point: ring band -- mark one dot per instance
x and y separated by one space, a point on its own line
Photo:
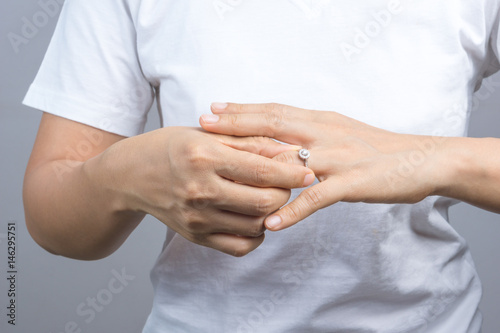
304 155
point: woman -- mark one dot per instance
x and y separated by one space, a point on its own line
380 256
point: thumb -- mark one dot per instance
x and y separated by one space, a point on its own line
308 202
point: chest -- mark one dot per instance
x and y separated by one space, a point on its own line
401 65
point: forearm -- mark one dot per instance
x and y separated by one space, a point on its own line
469 170
356 162
75 214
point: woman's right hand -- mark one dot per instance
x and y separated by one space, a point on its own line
194 182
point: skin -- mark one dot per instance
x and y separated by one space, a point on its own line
218 189
355 162
85 190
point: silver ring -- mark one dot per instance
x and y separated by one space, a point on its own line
304 155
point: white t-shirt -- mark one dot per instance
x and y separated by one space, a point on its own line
407 66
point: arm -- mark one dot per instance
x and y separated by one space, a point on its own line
66 211
86 190
356 162
472 166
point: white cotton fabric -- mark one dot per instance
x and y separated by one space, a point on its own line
405 66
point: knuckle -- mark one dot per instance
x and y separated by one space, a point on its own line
262 140
311 201
233 119
191 189
192 223
264 205
275 108
193 192
313 197
198 195
237 107
256 229
197 154
275 118
243 247
260 143
238 253
294 212
200 239
286 158
261 172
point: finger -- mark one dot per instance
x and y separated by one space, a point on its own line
309 201
218 108
292 157
250 200
219 221
234 245
281 122
260 145
256 170
320 161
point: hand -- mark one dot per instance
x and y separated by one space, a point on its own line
199 186
353 161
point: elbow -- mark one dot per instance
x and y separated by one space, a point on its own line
61 245
37 236
54 236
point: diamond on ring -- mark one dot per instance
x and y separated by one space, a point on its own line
304 154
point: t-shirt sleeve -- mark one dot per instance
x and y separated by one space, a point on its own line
494 42
91 72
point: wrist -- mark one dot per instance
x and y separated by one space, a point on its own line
457 166
108 174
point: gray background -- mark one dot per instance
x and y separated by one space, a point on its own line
50 288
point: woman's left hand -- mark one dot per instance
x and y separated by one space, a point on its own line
353 161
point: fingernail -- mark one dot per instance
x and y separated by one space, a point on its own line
210 118
219 106
308 180
273 221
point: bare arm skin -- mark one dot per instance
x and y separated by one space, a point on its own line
65 212
85 189
356 162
